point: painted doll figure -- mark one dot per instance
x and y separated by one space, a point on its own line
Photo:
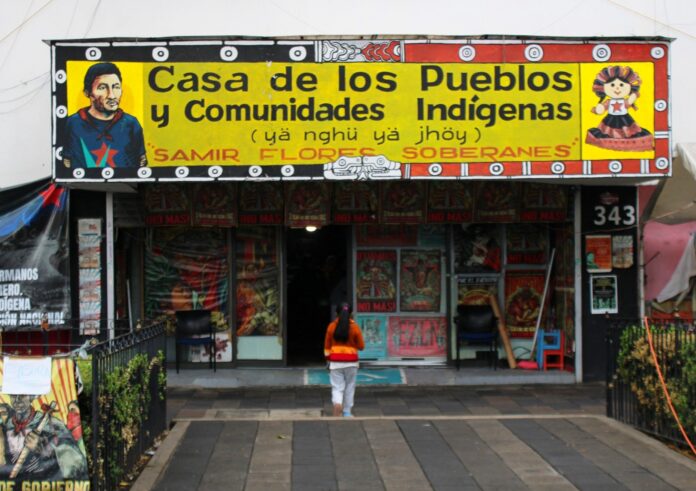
618 87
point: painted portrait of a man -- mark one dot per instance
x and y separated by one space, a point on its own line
102 134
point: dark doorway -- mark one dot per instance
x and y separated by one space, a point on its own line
316 271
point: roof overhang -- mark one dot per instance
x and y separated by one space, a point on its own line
674 200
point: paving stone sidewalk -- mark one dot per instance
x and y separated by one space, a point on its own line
408 438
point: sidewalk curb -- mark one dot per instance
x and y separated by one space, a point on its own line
158 463
656 445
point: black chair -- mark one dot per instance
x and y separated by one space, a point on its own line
477 325
193 328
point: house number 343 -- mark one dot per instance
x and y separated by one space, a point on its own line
615 215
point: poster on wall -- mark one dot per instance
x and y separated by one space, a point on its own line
476 290
52 416
526 244
89 240
34 263
261 204
402 202
186 271
223 350
258 283
215 204
417 337
375 280
360 109
420 282
307 203
598 257
603 294
497 202
622 251
355 202
523 291
477 249
167 205
543 203
450 202
374 330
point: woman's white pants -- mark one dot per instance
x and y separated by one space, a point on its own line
343 386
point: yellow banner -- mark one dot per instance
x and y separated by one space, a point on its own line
308 113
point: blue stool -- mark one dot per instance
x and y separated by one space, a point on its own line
549 343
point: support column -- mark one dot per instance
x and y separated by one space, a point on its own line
110 289
577 233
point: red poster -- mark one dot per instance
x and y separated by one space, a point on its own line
215 204
307 203
417 336
355 202
450 202
497 201
527 243
543 203
261 203
523 291
376 281
598 253
420 281
167 204
402 202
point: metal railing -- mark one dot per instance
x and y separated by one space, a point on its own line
113 452
59 339
634 393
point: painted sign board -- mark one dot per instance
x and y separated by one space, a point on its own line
274 109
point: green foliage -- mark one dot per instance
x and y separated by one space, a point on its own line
676 355
124 401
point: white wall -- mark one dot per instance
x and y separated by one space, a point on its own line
24 58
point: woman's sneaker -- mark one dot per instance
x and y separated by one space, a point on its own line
346 414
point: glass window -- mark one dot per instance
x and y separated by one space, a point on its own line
259 333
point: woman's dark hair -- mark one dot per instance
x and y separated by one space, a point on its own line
343 327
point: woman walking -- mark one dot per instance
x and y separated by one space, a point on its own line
341 345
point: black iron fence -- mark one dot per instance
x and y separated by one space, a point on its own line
634 391
127 404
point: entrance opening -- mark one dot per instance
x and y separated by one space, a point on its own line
316 269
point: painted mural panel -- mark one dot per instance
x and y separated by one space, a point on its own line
359 109
50 418
258 282
187 269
